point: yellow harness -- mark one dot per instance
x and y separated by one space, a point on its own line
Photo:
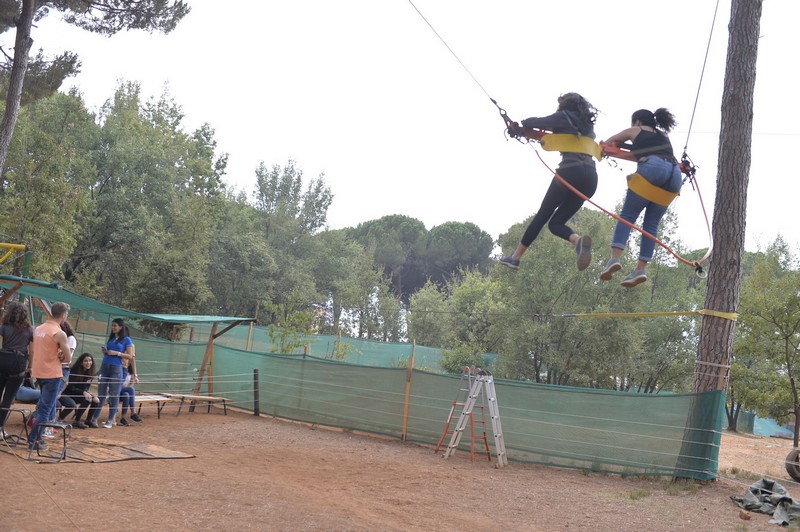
649 191
571 144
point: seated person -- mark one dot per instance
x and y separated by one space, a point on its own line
127 394
28 393
76 395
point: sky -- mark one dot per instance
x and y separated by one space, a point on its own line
366 94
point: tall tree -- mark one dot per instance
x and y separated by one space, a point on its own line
730 207
399 243
106 17
715 349
43 192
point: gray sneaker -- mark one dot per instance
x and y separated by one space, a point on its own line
635 277
510 262
584 250
611 268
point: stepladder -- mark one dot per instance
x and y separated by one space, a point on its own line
481 395
462 395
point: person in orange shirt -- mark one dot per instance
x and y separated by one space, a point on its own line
50 350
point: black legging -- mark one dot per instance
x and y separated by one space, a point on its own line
560 203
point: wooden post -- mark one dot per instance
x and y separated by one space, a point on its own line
207 362
409 372
249 337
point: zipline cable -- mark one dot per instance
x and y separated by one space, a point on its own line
460 62
702 73
697 265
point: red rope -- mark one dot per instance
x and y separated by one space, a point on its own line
694 264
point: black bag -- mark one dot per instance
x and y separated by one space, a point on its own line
13 363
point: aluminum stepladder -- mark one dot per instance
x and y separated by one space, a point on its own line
482 385
462 395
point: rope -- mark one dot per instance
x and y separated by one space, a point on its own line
451 50
695 264
702 73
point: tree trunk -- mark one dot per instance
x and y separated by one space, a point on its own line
733 175
22 47
699 453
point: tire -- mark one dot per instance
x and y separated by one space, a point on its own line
792 464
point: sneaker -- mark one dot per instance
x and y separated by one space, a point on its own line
108 424
49 433
122 421
136 418
38 446
635 277
80 425
611 268
510 262
584 250
93 423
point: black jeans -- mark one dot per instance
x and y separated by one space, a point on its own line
560 203
8 392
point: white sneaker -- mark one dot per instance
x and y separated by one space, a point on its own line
49 433
108 424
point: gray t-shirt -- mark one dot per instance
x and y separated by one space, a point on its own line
18 339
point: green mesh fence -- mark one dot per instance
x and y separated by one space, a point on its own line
594 430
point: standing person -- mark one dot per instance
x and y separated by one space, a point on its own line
50 350
72 342
76 395
119 346
574 116
17 334
657 165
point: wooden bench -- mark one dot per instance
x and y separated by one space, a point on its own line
160 399
195 398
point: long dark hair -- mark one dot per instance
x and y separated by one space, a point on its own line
123 331
67 328
661 119
16 315
572 101
77 366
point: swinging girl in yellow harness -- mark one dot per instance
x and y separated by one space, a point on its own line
656 182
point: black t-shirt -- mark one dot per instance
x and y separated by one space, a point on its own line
650 143
18 339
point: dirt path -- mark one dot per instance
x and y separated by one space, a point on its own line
263 474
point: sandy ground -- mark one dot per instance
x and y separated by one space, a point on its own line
253 473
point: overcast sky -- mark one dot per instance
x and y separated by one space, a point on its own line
365 92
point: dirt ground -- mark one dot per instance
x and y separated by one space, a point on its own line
253 473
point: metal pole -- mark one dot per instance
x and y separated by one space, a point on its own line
256 408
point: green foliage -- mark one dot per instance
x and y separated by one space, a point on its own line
429 316
289 325
454 360
41 196
767 348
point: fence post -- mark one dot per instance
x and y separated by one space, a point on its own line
409 373
256 407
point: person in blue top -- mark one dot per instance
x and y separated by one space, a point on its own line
657 164
118 347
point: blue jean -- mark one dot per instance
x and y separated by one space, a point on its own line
110 382
28 395
50 389
658 172
128 397
65 373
